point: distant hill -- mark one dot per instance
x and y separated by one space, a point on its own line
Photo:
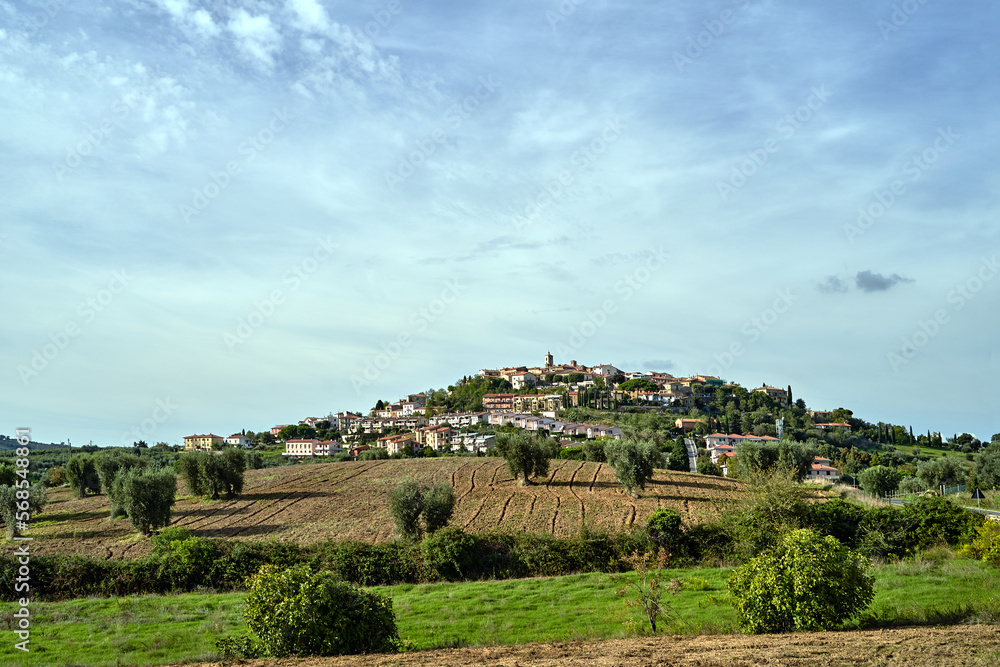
8 443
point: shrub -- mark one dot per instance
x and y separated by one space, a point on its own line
439 503
807 582
15 502
82 474
296 612
450 553
406 503
593 450
633 462
880 481
986 544
706 466
8 474
771 505
374 454
649 586
665 530
937 519
55 476
146 497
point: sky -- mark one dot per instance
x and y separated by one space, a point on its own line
232 214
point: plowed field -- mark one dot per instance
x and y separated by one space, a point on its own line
966 646
311 503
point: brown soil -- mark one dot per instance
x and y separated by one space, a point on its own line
976 645
315 502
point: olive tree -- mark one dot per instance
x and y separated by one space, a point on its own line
633 462
523 454
945 471
82 474
988 466
213 475
409 501
880 480
109 464
146 496
807 582
18 504
439 503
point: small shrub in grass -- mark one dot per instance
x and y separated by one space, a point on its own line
298 612
665 530
449 553
806 582
648 585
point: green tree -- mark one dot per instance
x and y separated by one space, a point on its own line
8 474
374 454
593 450
439 503
523 455
298 612
109 464
146 496
988 466
946 471
665 529
678 457
807 582
642 384
406 503
213 475
55 476
633 462
82 474
880 480
706 466
12 511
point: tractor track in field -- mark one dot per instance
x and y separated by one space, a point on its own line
583 508
503 510
597 471
555 514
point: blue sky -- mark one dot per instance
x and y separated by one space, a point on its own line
226 215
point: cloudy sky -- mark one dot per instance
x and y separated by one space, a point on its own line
235 213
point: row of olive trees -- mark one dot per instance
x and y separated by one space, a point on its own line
18 498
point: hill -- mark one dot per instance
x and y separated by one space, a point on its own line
312 503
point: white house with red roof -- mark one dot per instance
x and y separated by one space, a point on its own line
822 470
238 440
841 426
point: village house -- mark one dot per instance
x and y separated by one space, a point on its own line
310 447
779 394
205 442
498 402
435 437
822 470
238 440
397 444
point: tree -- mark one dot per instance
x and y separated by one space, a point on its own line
109 464
212 475
593 450
945 471
642 384
146 496
796 457
633 461
439 503
406 503
298 612
8 474
648 585
880 480
374 454
678 459
523 455
55 476
665 529
82 474
706 466
988 465
911 484
18 504
807 582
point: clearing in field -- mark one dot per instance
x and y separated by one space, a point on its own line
338 501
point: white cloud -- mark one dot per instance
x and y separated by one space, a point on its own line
310 15
256 37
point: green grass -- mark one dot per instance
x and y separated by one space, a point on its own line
156 630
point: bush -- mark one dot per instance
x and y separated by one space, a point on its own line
146 497
374 454
665 530
82 474
296 612
14 502
706 466
986 544
772 505
8 474
633 461
937 519
807 582
55 476
449 553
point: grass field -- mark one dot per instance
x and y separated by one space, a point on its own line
157 630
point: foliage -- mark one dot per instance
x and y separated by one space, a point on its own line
15 501
406 503
523 454
439 503
678 457
880 481
374 454
8 474
937 519
55 476
642 384
911 484
986 544
988 466
633 462
807 582
146 496
706 466
648 585
109 463
665 529
212 475
593 450
449 553
297 612
82 474
947 471
772 505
